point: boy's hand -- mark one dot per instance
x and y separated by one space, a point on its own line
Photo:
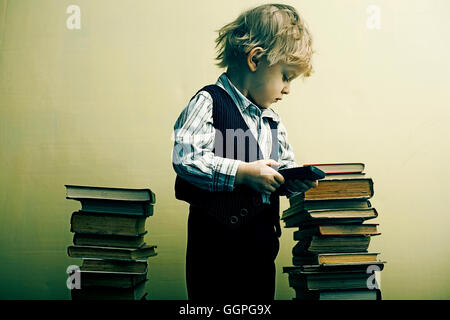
259 175
296 185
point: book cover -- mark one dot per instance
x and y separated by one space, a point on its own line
77 192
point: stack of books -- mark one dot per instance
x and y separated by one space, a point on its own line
109 235
331 258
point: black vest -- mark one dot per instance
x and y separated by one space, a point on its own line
238 207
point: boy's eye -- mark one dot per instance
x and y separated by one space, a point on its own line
285 78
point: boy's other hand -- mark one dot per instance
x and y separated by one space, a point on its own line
260 175
296 185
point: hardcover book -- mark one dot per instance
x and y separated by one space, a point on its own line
112 253
334 258
77 192
99 223
328 216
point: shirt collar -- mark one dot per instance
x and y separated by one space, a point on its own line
242 101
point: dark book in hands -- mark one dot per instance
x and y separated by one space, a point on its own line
299 173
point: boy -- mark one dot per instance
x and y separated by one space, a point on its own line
228 146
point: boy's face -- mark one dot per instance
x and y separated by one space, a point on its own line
269 84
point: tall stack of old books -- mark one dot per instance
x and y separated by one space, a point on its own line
331 259
109 235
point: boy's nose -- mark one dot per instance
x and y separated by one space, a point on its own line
285 90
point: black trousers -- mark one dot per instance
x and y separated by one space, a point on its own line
224 265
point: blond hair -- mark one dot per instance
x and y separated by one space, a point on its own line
277 28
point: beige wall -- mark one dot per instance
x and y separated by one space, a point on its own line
96 106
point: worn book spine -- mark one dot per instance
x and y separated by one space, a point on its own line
341 189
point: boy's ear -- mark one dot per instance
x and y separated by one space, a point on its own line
252 58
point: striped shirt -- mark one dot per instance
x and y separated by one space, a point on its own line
193 158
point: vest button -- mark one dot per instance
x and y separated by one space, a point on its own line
234 219
244 212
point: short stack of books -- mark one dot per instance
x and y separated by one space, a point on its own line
109 235
331 259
